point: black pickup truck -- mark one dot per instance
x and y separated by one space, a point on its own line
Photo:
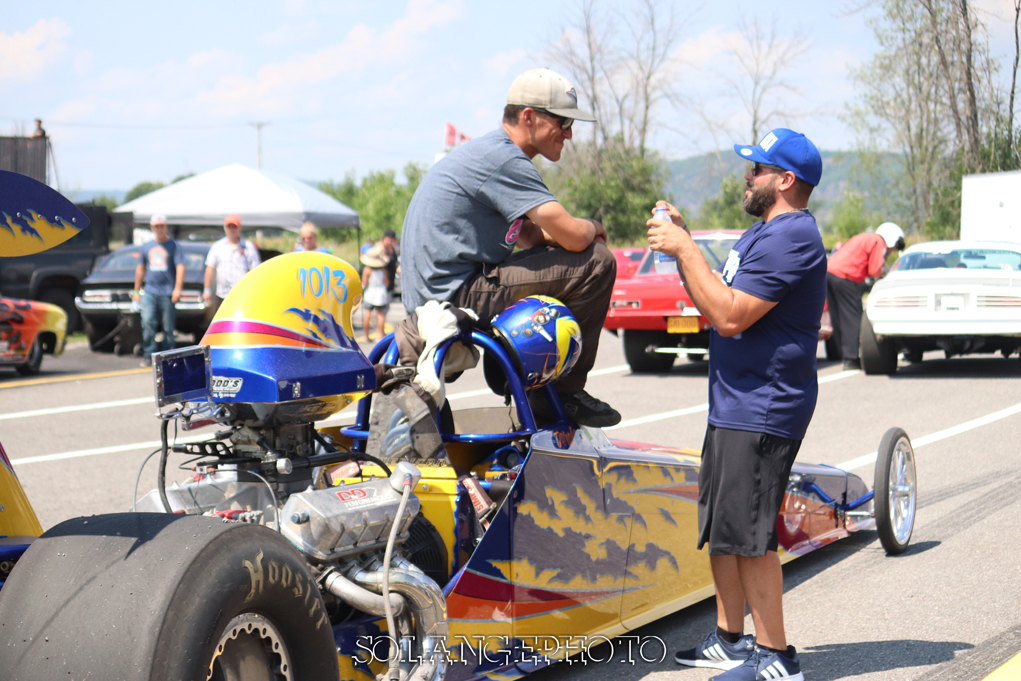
53 276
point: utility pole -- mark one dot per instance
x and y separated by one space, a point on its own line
258 125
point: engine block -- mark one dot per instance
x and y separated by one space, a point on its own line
330 523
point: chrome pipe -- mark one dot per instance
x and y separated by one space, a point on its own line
360 598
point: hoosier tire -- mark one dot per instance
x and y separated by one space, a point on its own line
895 490
163 597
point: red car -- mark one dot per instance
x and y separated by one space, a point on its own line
655 316
628 260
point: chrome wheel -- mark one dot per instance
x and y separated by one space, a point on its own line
250 649
895 491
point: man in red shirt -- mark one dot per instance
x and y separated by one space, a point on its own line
862 256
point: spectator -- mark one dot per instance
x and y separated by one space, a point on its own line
862 256
764 303
485 198
229 259
308 239
38 132
161 270
391 253
375 291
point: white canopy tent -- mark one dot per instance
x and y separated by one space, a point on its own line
261 198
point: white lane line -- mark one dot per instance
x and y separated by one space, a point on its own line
938 435
347 413
143 400
78 407
662 416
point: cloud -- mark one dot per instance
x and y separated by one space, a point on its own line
363 46
501 62
707 47
23 56
289 34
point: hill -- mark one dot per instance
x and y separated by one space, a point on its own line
694 179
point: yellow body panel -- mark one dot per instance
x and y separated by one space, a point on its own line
17 519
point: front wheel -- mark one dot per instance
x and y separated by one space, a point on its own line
33 361
197 597
895 491
635 343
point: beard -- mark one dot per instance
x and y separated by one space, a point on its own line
762 199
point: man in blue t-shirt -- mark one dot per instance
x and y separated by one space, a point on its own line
161 269
764 303
484 199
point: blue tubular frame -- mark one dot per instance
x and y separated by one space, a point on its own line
814 489
386 350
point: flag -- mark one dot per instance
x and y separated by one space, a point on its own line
451 136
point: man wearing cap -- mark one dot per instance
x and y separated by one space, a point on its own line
862 256
484 199
161 269
229 259
764 303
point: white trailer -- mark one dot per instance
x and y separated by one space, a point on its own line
991 206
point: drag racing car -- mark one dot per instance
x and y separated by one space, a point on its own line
414 544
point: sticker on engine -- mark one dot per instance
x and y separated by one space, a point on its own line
353 498
226 385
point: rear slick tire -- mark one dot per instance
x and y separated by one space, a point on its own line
877 356
896 491
164 597
640 361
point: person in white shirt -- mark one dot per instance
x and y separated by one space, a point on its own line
229 259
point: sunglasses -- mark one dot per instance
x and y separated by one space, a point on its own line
565 123
759 167
233 226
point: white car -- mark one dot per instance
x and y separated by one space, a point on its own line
961 297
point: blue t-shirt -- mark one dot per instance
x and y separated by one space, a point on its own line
161 260
764 379
466 213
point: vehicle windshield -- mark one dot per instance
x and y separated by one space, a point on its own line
961 258
128 260
715 250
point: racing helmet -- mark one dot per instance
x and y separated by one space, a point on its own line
542 337
892 234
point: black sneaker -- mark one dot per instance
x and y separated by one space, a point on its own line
717 653
852 364
581 408
765 665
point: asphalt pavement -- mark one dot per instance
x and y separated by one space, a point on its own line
949 608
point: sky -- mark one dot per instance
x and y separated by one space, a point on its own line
132 92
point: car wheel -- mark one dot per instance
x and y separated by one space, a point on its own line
33 361
640 361
65 301
199 598
877 357
97 335
895 491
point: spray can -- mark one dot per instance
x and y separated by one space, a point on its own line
661 262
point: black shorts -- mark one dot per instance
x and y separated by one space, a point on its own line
741 485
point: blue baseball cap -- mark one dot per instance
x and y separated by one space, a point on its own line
789 150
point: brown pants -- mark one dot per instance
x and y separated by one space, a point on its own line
582 281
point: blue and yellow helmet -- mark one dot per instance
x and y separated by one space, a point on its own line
542 337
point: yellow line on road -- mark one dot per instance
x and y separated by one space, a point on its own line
1011 671
74 377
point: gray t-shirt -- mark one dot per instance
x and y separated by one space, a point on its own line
466 213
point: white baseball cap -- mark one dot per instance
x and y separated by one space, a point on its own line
157 219
549 91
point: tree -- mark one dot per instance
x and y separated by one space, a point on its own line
622 65
141 189
931 93
725 210
850 216
380 200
